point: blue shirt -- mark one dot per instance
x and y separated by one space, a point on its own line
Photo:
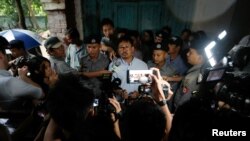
120 70
177 64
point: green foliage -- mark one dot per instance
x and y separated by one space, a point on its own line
9 15
8 8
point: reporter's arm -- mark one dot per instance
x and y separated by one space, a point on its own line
117 106
50 131
95 73
176 78
160 97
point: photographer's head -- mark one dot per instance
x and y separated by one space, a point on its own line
144 120
17 48
126 48
54 47
3 58
69 102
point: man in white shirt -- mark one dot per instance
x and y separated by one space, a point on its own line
126 62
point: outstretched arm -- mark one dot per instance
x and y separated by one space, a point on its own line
159 97
115 116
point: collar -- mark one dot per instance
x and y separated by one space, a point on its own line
124 62
194 68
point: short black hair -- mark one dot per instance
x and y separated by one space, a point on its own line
37 71
199 45
144 120
69 102
186 30
125 38
73 33
3 44
107 21
17 44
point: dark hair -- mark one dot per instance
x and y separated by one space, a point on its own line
37 72
186 30
74 35
167 29
3 44
199 44
69 102
121 30
107 21
19 44
150 33
192 121
125 38
144 120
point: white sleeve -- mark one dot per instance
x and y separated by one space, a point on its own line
19 88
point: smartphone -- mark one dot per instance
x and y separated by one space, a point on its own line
96 102
139 76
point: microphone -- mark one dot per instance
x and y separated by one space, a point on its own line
115 65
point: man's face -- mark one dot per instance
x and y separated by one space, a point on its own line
68 38
125 50
185 36
107 30
16 52
158 39
93 50
58 52
172 48
193 57
159 56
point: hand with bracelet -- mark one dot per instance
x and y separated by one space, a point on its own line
159 97
116 116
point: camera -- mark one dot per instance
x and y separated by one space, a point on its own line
19 63
229 83
103 107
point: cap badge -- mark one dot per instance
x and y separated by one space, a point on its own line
93 41
158 46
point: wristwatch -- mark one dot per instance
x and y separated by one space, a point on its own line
162 102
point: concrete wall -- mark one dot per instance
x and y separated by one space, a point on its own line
55 10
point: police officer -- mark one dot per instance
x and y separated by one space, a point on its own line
190 83
95 63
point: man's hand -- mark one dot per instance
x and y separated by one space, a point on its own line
134 95
157 85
